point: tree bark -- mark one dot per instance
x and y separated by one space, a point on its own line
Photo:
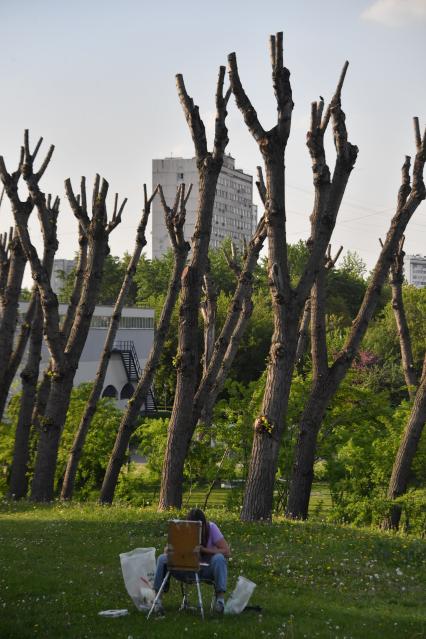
16 356
175 219
90 408
29 376
209 165
396 282
324 390
9 316
407 449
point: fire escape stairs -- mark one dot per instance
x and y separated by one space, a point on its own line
129 357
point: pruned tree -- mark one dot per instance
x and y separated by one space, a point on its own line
327 379
90 408
29 376
209 164
396 281
407 449
410 438
65 356
288 302
226 346
175 220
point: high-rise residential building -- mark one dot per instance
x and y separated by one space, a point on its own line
60 266
234 215
415 270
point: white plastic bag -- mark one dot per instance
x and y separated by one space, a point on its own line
138 567
240 596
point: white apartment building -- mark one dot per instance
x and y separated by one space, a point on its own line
415 270
234 215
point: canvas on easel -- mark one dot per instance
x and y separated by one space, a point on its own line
184 540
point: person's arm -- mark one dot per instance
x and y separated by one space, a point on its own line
221 546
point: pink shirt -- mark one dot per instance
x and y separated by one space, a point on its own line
214 535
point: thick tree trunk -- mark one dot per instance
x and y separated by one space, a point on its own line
268 429
16 356
9 316
407 449
397 281
18 480
42 487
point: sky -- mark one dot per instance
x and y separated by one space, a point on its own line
96 78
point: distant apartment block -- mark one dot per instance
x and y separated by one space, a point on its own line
234 215
60 266
415 270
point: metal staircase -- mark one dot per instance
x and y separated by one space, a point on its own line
130 360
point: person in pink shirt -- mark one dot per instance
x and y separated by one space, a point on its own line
214 551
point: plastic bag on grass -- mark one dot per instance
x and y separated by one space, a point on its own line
240 596
138 567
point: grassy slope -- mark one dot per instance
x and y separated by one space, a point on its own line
59 567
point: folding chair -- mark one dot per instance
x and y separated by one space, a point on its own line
183 556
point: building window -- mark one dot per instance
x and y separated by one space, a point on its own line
102 321
180 176
126 391
110 391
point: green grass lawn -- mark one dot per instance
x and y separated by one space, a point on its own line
59 567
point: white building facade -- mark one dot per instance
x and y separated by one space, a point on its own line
415 270
132 345
234 215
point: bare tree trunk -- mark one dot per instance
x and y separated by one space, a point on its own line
288 303
11 368
175 219
407 449
90 408
18 481
324 390
9 316
396 281
209 166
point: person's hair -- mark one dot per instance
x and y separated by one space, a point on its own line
196 514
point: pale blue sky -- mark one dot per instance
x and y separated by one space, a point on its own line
96 79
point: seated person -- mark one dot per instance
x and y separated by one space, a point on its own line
214 551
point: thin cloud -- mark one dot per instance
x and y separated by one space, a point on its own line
396 13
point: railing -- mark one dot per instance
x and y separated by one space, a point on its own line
127 346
